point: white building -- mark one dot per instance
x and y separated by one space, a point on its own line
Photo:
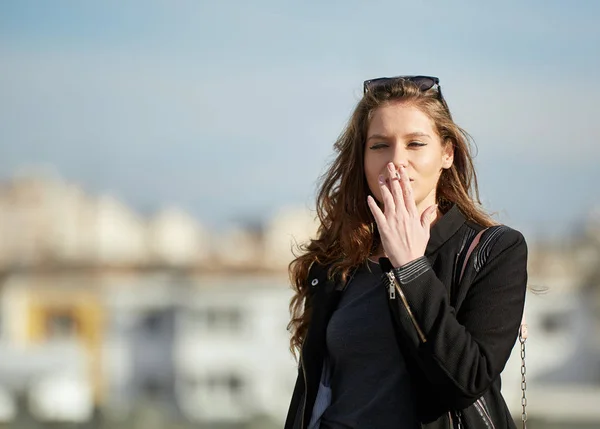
38 220
288 227
237 248
175 238
46 220
120 234
231 350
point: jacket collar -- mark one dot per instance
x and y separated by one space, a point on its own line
444 229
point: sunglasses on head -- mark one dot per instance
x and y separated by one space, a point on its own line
424 83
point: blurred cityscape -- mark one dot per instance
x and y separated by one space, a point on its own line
110 319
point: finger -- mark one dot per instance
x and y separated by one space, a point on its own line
428 216
377 213
389 207
396 189
407 191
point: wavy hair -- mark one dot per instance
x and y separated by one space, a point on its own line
347 233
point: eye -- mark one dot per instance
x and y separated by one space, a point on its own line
416 144
379 146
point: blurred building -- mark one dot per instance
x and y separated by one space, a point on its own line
52 333
107 312
44 220
231 348
563 349
289 228
114 310
237 248
175 238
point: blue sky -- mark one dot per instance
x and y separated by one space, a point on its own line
230 109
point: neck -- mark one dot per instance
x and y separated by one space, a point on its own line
426 202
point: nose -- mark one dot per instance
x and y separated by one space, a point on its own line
400 157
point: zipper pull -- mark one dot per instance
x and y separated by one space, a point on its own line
391 288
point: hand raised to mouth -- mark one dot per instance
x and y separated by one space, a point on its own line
404 233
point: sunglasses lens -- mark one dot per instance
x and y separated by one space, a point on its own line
375 84
423 82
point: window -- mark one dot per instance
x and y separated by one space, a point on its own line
152 323
152 388
217 396
218 319
224 385
61 325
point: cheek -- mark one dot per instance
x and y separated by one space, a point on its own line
427 161
428 173
372 172
429 167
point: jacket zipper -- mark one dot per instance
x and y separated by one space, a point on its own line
392 288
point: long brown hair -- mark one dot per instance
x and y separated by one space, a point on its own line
347 234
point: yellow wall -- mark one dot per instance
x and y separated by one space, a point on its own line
86 310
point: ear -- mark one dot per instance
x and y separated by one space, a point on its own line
448 154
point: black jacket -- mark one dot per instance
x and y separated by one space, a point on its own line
456 336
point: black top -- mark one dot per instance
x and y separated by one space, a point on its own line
370 383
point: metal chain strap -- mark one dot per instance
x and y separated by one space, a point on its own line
522 339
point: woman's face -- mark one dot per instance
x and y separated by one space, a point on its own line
404 135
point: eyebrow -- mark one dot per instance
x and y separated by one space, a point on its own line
409 135
417 134
378 137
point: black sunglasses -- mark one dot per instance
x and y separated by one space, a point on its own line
424 83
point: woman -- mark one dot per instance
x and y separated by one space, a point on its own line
397 323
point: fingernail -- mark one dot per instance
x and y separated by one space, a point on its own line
381 179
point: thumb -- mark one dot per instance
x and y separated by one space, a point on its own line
428 216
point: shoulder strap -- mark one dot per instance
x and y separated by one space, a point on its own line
474 244
522 331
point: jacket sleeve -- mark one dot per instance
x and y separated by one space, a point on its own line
462 354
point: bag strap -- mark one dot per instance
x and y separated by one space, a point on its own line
522 339
474 244
522 332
